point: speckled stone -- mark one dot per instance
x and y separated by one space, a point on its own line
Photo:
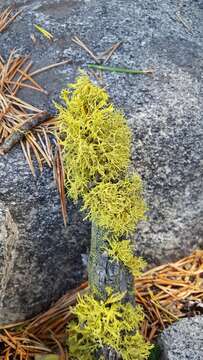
40 259
164 111
183 340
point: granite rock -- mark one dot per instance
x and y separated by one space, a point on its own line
164 112
183 340
40 259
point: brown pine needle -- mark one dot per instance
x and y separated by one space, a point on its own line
60 181
79 42
29 77
111 51
21 85
183 21
6 18
21 122
36 72
100 58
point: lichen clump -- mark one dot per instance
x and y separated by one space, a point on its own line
96 150
123 251
95 140
94 136
107 324
118 206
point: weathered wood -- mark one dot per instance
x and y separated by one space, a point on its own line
19 134
110 354
104 272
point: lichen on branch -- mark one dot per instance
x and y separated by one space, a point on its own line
116 206
123 251
96 140
94 136
108 323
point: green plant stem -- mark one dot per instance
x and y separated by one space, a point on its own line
119 70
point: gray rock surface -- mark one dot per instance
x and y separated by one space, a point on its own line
40 259
164 111
183 340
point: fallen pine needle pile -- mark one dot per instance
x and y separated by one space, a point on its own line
15 113
170 292
167 293
21 122
7 17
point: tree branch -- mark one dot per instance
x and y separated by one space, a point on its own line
19 134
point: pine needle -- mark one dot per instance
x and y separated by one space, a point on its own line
59 176
22 122
44 32
6 18
49 67
79 42
100 58
46 333
120 70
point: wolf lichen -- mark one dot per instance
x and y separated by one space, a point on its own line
116 206
94 136
96 140
107 323
123 251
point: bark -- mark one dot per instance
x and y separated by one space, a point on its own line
103 272
19 134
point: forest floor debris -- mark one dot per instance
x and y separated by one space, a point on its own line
7 17
22 122
167 293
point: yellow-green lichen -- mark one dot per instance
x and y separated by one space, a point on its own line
117 207
123 251
94 136
95 142
107 323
